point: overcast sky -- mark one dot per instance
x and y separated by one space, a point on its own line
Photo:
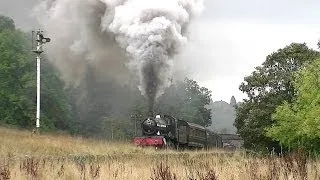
230 38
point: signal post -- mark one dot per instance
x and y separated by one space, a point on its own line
40 42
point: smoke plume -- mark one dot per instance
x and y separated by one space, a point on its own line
115 35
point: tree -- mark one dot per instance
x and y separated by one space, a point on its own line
267 87
117 127
6 23
97 99
297 123
186 100
16 107
18 84
56 105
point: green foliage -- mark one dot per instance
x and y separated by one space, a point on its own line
18 84
118 127
186 100
298 123
268 87
55 102
6 23
95 100
14 68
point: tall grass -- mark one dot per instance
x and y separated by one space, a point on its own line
24 156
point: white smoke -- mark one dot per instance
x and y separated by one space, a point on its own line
144 35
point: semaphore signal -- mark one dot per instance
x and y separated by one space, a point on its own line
41 40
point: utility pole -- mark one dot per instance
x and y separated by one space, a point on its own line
134 118
135 126
40 41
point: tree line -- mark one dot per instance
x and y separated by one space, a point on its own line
97 107
282 110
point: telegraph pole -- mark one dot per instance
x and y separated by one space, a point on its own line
135 126
40 41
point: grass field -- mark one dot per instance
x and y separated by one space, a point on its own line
27 156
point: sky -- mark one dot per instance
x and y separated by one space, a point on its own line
232 37
229 39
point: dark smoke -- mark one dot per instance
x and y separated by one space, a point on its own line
112 35
151 71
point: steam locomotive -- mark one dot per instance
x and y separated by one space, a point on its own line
169 132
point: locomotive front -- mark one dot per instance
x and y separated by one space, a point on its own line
157 126
153 131
149 127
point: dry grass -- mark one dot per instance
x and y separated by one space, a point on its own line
17 143
24 156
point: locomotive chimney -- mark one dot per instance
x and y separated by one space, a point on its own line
150 110
150 113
